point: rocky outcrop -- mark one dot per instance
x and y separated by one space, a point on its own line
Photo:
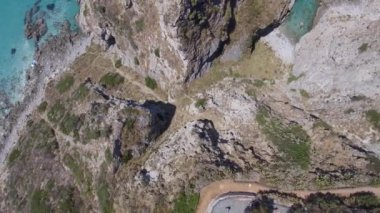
340 82
179 39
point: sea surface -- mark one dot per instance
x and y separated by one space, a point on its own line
301 18
13 66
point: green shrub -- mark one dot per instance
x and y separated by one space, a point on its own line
321 124
292 77
111 80
304 93
363 200
358 98
81 175
201 103
108 155
70 124
136 61
130 123
157 52
363 47
258 83
85 11
42 137
118 63
186 203
101 9
127 157
67 200
15 154
140 25
81 93
39 202
104 197
91 134
151 83
290 139
42 107
65 84
349 111
56 112
373 117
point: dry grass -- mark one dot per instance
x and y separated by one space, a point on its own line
261 64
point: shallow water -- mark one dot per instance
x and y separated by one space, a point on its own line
301 17
13 66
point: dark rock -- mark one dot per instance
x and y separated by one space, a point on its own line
111 41
36 30
13 51
50 6
128 4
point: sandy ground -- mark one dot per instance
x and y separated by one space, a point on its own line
219 188
47 74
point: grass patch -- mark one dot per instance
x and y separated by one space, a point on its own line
157 52
201 103
105 200
186 203
67 200
111 80
151 83
15 154
70 124
373 117
290 139
65 84
39 202
258 83
82 177
108 155
81 93
127 157
321 124
130 123
304 93
56 112
42 107
292 77
42 137
140 25
118 63
91 134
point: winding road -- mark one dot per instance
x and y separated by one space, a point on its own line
217 189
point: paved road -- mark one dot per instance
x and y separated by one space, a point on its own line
216 190
237 203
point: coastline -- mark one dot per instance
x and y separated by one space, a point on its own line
65 47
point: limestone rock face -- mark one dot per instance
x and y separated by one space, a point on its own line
175 41
338 68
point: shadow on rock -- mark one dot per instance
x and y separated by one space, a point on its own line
162 115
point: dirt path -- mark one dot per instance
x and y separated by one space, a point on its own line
217 189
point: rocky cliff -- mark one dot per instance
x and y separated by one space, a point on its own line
176 41
173 95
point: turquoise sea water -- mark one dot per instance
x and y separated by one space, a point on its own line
13 67
301 17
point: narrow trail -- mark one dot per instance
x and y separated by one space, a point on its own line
216 189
